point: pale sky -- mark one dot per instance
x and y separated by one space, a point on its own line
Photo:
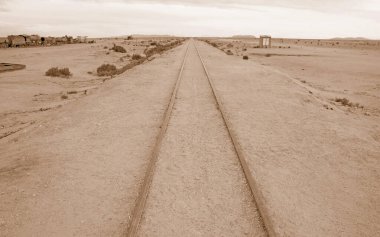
279 18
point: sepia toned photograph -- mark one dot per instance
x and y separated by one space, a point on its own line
169 118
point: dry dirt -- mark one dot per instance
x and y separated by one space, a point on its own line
73 167
28 103
76 172
317 162
199 188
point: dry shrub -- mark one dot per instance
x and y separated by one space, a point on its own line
110 70
136 57
161 48
346 102
245 57
58 72
118 49
229 52
64 97
106 70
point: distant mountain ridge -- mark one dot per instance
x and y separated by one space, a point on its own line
149 36
349 38
243 36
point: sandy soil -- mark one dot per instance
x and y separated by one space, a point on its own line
38 94
199 188
317 168
77 172
329 72
74 167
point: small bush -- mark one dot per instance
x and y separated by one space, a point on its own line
153 43
136 57
229 52
214 45
72 92
119 49
64 97
343 101
58 72
245 57
107 70
346 102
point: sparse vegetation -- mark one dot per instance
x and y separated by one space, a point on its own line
136 57
229 52
245 57
111 70
58 72
106 70
346 102
72 92
118 49
64 97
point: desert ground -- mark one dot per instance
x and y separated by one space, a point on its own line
192 140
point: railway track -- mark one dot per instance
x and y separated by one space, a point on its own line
141 201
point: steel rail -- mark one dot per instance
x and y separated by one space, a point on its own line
252 183
144 190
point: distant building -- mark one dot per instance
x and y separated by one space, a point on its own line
265 41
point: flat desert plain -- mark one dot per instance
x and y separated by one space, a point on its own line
192 140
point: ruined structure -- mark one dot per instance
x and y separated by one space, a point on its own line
36 40
50 41
16 41
265 41
64 40
81 39
4 42
28 41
